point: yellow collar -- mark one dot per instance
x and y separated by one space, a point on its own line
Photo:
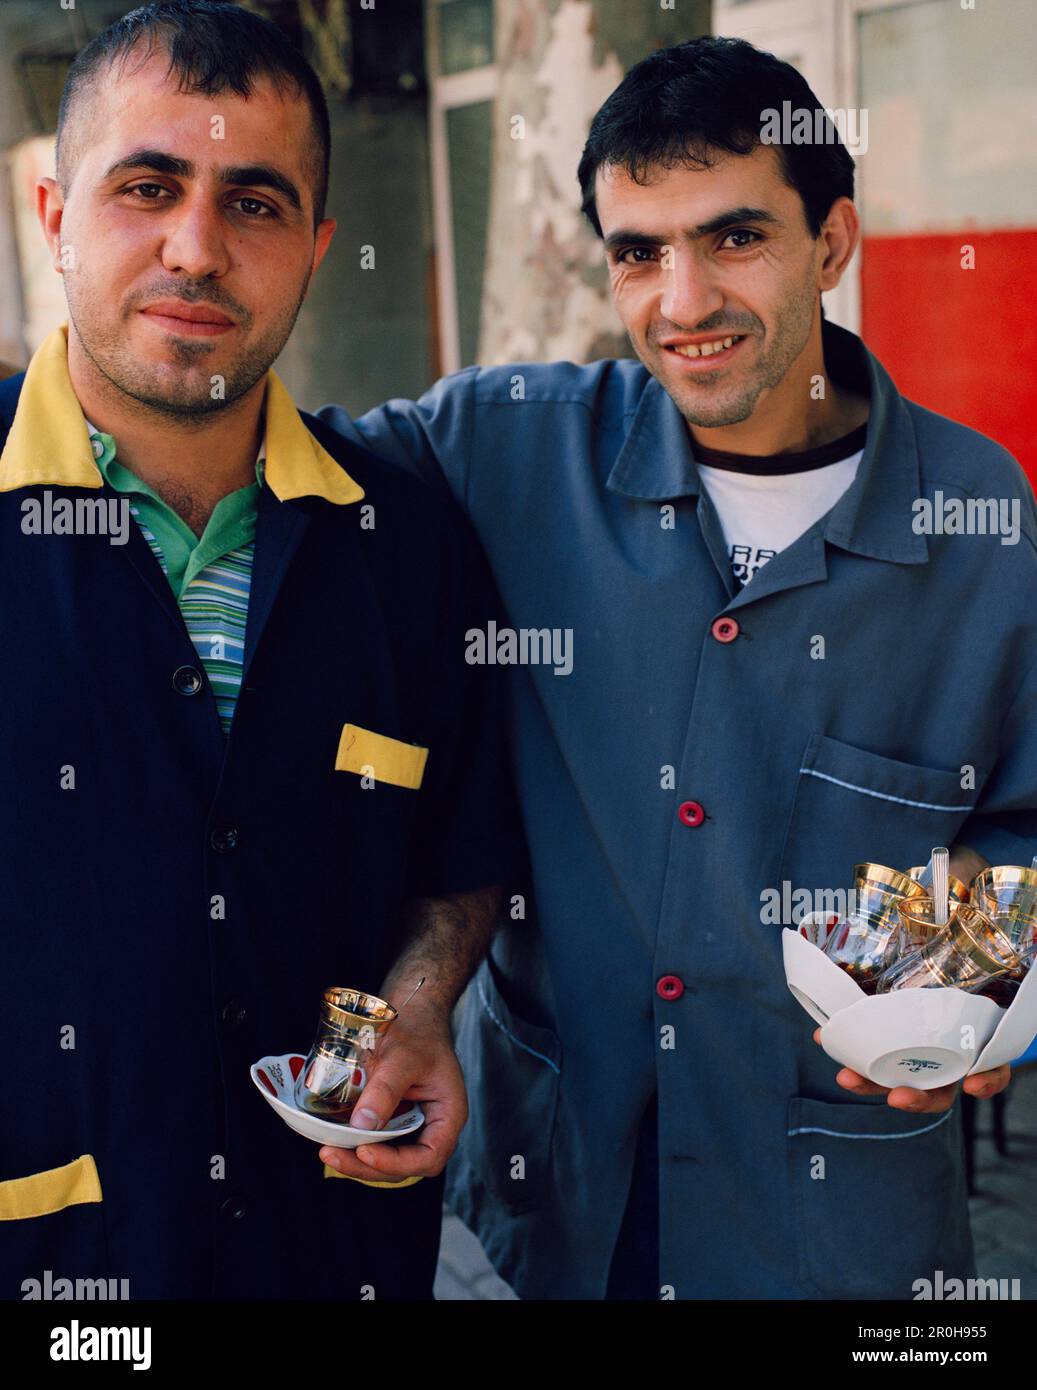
48 440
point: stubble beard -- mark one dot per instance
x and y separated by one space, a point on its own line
710 404
181 389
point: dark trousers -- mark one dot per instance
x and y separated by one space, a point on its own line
634 1272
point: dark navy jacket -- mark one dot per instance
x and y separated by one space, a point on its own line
131 1008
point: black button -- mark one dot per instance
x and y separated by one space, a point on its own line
232 1209
223 839
187 680
233 1015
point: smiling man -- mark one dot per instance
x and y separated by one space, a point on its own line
765 689
245 758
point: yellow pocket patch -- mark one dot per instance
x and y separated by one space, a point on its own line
57 1188
406 1182
384 759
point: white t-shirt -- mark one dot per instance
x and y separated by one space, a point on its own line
763 507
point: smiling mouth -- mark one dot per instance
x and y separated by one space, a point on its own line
718 347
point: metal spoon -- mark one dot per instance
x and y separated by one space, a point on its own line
940 861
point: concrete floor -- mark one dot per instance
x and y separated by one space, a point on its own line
464 1271
1004 1209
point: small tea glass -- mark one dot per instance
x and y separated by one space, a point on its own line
918 925
968 953
955 888
350 1027
860 942
1007 894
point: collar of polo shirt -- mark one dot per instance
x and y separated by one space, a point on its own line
48 442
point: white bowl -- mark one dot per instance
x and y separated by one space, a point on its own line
274 1078
1016 1029
912 1037
817 982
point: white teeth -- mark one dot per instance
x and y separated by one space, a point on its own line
706 349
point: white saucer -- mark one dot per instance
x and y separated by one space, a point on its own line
274 1078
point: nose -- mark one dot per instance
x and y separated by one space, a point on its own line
195 241
689 294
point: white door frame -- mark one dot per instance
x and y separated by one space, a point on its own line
445 93
825 33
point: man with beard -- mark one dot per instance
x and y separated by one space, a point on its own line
775 674
245 759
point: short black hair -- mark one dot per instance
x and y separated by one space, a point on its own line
213 47
680 104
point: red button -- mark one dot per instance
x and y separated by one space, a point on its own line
725 629
670 987
690 813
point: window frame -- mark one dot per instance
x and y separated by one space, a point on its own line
826 32
447 91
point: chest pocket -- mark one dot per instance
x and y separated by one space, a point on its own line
380 758
851 806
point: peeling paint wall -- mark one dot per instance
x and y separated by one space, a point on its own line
545 294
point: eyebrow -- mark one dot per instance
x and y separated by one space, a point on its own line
256 175
626 236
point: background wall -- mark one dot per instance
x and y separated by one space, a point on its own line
480 251
361 334
949 201
545 291
942 286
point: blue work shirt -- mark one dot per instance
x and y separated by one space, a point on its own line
686 766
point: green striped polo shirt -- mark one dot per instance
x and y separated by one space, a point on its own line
210 575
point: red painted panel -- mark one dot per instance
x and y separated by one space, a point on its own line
961 342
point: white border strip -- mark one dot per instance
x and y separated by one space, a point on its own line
838 1133
883 796
509 1034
